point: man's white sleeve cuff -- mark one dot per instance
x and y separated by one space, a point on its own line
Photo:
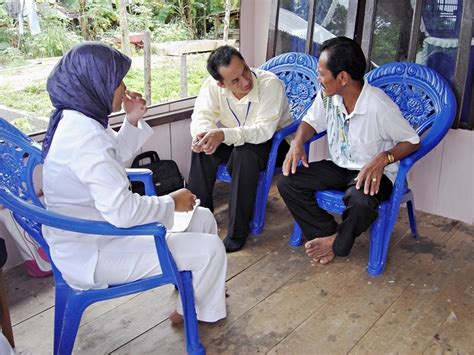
230 136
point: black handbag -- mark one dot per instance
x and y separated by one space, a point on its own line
166 175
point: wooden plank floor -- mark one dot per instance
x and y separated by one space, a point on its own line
281 303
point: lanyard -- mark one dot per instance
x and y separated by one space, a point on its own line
235 115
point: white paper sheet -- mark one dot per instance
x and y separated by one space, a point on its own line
182 219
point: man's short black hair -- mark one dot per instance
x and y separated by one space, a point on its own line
345 54
221 57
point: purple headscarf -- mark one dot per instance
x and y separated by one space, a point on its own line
85 80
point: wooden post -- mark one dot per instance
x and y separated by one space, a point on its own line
147 65
124 28
5 313
83 19
184 76
226 21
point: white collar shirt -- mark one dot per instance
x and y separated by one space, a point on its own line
375 125
251 119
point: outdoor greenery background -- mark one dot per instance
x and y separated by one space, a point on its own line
167 20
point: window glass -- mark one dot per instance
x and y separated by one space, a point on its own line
438 38
438 49
292 26
330 21
35 34
391 31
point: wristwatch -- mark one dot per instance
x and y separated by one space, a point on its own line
390 158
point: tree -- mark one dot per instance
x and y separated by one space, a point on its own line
83 20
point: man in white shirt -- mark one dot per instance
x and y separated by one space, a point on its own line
235 116
367 136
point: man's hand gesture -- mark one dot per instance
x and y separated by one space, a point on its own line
208 142
371 174
295 154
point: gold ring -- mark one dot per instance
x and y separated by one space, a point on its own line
374 179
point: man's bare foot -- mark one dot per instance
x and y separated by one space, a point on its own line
320 247
176 318
327 258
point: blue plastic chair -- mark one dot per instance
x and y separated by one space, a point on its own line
299 75
19 156
427 102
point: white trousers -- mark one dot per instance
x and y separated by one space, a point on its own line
198 250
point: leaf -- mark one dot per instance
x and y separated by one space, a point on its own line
165 13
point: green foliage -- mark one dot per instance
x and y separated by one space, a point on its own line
54 40
101 17
165 85
338 22
170 32
141 16
23 124
33 99
11 56
384 48
194 14
165 78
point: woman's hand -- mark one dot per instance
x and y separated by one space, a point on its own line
134 106
184 200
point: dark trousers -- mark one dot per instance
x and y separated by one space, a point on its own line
298 192
244 164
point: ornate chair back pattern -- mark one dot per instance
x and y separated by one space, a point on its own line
427 102
298 71
19 156
421 94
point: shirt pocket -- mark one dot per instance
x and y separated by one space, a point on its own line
363 152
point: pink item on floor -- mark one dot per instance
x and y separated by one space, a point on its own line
33 269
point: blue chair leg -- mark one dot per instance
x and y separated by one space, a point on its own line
412 218
378 242
72 318
296 238
193 344
258 220
60 300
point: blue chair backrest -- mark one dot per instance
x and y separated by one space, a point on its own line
424 97
19 157
298 71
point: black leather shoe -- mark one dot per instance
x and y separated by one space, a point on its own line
232 245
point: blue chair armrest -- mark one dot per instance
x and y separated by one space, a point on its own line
312 139
145 176
277 139
55 220
286 131
316 137
426 145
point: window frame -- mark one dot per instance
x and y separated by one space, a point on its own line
360 25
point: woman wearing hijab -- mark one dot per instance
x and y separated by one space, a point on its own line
84 176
